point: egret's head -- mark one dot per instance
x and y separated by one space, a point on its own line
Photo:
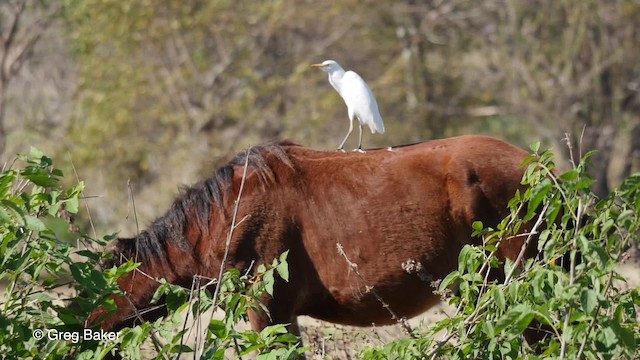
328 66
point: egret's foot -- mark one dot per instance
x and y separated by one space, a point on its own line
340 150
359 150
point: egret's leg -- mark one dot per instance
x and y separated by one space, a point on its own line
359 149
340 148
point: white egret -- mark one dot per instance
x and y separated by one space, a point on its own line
357 95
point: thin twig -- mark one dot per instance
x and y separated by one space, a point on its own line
485 281
86 204
196 279
400 320
523 249
572 274
570 147
135 217
133 207
232 229
593 320
124 259
230 235
137 314
584 128
154 338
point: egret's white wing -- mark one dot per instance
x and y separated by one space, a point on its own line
360 100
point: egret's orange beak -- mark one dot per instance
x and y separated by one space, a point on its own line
317 65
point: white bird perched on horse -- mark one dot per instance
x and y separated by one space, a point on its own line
357 95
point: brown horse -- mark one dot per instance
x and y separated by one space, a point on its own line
386 207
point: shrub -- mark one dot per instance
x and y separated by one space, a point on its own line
41 255
570 291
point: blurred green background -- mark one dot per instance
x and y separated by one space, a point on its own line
143 96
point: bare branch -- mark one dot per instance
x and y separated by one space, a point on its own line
400 320
229 236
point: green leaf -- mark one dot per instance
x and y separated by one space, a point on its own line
535 146
582 184
35 153
588 300
4 217
89 254
498 297
176 296
60 227
134 336
609 336
35 224
110 237
71 205
524 320
160 292
218 329
519 316
283 256
538 194
570 175
183 349
508 266
283 271
41 179
268 281
13 206
628 339
448 280
273 330
488 329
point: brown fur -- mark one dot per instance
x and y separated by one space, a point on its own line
415 202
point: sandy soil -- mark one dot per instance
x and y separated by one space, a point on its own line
331 341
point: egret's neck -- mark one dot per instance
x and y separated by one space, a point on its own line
335 79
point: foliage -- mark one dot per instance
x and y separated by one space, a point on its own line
571 290
238 293
47 265
38 257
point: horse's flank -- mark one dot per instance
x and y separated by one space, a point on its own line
386 207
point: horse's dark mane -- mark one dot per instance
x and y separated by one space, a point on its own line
197 202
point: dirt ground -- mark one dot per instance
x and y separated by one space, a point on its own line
331 341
